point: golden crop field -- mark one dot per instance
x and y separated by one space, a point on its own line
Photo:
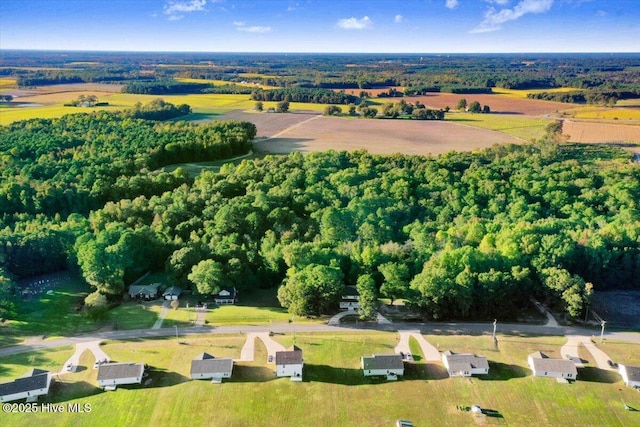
604 113
520 126
522 93
7 82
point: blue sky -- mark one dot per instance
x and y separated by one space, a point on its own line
420 26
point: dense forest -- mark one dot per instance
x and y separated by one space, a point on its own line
459 236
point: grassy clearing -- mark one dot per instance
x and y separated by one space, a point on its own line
336 390
522 93
527 128
17 365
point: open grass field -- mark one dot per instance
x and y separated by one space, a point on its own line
334 391
593 132
523 127
382 137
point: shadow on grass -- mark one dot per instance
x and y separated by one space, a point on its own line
504 372
598 375
492 413
159 378
335 375
62 391
252 374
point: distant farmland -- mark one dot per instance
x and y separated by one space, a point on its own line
591 132
382 137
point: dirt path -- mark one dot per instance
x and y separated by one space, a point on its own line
163 313
430 353
248 350
93 347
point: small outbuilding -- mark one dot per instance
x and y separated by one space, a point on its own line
34 383
172 293
144 291
205 366
350 298
544 366
111 375
464 364
630 375
389 365
227 296
289 363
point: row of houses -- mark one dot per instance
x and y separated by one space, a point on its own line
152 291
290 363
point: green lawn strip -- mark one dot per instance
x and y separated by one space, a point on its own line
12 367
524 127
334 391
621 352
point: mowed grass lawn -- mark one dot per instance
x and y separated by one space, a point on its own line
524 127
334 391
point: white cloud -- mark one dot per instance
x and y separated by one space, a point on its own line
399 19
451 4
176 9
499 2
493 19
355 24
241 26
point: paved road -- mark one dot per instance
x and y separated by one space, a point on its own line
424 328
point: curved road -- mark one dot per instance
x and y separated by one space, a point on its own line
424 328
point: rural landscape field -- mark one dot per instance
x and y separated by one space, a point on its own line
237 213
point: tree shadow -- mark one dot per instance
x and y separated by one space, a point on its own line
597 375
504 372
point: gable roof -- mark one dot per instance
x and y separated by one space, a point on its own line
542 362
207 364
114 371
382 361
227 293
35 379
173 290
144 289
293 356
633 372
465 361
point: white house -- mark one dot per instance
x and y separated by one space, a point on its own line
227 296
34 383
389 365
205 366
350 299
630 375
111 375
464 364
545 366
172 293
289 363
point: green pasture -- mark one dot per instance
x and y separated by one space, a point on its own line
334 391
527 128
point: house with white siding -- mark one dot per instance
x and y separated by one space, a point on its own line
34 383
464 364
544 366
111 375
206 366
289 363
389 365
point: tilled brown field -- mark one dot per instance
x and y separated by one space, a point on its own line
593 132
269 124
499 104
382 137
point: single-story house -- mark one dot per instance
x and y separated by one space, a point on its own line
630 375
227 296
289 363
34 383
172 293
464 364
144 291
111 375
350 298
206 366
389 365
545 366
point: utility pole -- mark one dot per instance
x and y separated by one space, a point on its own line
176 326
495 321
602 332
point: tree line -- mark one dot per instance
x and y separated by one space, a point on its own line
317 96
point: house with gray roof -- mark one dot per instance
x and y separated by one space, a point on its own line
205 366
144 291
464 364
227 296
350 298
389 365
289 363
34 383
172 293
111 375
630 375
544 366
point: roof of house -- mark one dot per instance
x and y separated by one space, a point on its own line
114 371
382 361
173 290
465 361
633 372
227 294
144 289
542 362
292 356
34 380
207 364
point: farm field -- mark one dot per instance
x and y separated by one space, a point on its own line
604 113
593 132
382 137
335 387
